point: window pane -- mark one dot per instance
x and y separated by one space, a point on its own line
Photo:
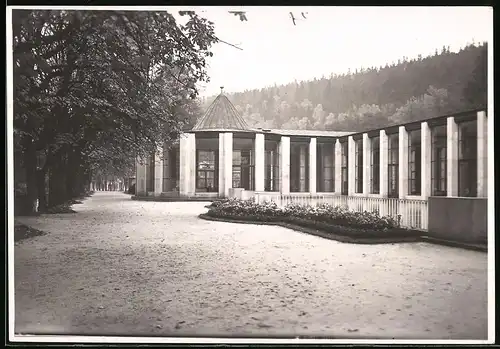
328 161
442 154
327 173
463 169
344 153
236 157
393 180
206 160
302 173
271 164
200 183
328 186
467 133
245 158
267 158
442 168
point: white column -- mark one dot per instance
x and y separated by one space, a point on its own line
367 152
351 166
285 165
384 158
482 154
452 156
221 164
192 164
137 171
187 163
158 183
228 162
403 162
259 161
338 167
183 163
140 186
425 161
312 165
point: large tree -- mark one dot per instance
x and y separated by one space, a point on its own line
95 88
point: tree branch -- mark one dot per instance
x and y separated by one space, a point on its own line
227 43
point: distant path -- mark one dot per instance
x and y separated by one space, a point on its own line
120 266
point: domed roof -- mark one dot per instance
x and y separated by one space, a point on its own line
221 115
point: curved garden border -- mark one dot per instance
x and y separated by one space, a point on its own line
349 239
318 232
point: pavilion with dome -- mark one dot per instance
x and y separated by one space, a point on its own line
222 154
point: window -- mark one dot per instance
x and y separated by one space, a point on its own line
271 164
243 169
343 169
206 175
358 164
325 167
438 161
150 173
299 166
414 162
375 166
243 163
393 166
207 164
467 159
170 169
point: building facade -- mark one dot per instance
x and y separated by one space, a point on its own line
409 171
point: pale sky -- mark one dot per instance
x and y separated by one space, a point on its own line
330 40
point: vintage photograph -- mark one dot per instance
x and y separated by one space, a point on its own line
250 173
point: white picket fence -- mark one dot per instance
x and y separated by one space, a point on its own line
412 213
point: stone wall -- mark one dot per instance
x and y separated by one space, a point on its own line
459 219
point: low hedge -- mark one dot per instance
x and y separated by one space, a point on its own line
22 232
59 209
324 217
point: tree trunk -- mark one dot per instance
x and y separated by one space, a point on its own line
81 181
70 175
42 197
57 182
74 183
30 206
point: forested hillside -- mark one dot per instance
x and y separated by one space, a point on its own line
408 90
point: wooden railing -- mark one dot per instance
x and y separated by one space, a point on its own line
411 213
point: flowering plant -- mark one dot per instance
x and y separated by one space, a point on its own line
324 213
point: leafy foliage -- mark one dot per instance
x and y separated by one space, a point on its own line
95 89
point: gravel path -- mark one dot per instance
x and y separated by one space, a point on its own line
123 267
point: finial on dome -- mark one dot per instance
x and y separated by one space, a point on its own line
221 89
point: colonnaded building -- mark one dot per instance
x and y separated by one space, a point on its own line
431 174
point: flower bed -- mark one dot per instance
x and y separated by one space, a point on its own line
323 217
